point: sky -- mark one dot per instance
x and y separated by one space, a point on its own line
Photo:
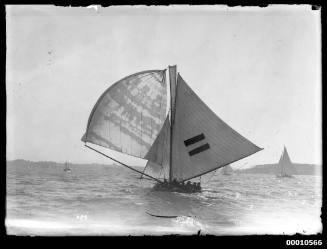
258 69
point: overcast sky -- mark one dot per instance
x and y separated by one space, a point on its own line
257 68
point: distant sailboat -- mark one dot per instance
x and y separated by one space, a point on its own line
227 170
66 168
285 167
185 143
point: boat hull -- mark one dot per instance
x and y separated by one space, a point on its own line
285 176
179 189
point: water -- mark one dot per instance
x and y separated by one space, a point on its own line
104 200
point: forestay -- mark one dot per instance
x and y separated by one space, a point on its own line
129 114
202 142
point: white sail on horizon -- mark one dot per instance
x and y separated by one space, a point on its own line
285 166
227 170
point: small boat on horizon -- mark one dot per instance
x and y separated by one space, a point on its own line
227 170
66 168
285 167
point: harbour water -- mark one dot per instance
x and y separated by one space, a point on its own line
111 200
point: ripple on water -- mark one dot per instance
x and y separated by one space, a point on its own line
118 201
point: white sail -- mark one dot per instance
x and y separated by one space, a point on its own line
202 142
285 166
158 155
227 170
129 114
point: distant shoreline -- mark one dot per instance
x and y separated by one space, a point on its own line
23 162
271 169
301 168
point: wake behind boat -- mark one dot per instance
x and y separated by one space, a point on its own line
182 143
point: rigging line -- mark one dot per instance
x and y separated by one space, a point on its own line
161 171
141 177
214 173
131 168
151 77
147 74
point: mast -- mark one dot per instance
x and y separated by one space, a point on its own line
172 80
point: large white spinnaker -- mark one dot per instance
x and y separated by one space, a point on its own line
129 114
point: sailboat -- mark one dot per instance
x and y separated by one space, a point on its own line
145 116
227 170
66 168
285 167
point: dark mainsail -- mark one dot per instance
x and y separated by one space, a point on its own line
221 145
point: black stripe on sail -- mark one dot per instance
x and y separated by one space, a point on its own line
199 149
193 140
